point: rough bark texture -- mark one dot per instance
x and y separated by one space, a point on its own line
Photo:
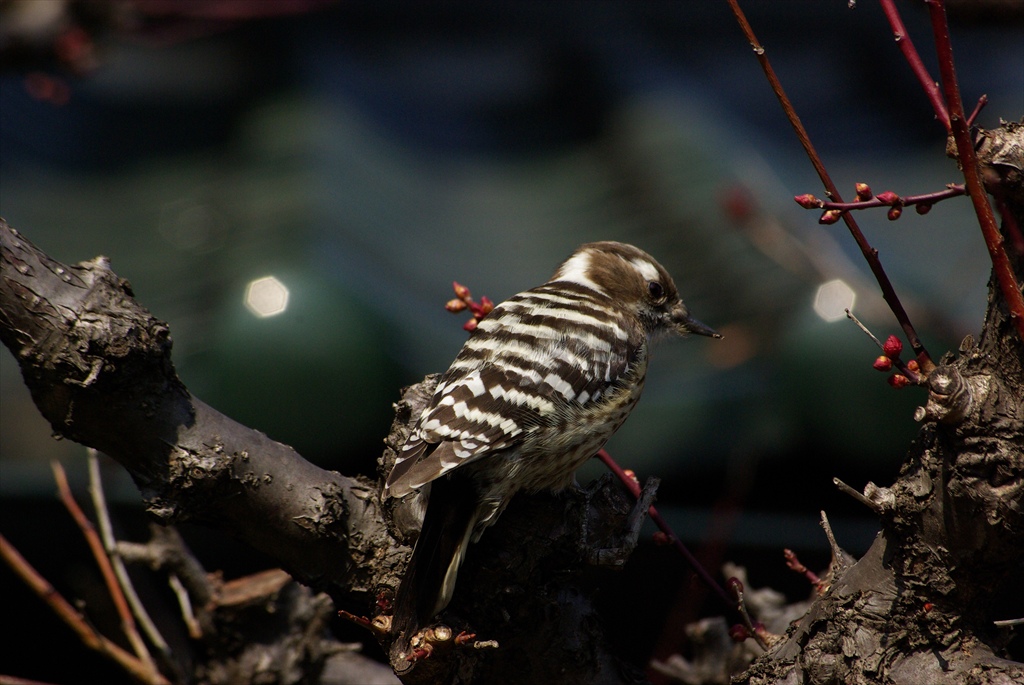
918 607
99 369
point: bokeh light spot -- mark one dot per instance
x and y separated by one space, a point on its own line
266 296
833 299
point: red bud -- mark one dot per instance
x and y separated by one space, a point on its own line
738 632
889 198
661 538
863 191
461 291
808 201
895 212
486 306
735 586
883 363
470 325
455 305
892 347
898 380
923 208
912 365
830 217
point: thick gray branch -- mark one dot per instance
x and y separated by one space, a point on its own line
99 369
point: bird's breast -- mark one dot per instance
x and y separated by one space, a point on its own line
552 452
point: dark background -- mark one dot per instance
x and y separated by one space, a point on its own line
368 153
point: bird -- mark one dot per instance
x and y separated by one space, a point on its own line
539 387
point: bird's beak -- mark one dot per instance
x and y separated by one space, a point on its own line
687 324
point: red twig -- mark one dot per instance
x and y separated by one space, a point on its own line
870 253
67 613
464 300
96 545
634 487
972 173
894 357
906 46
926 199
750 628
106 568
982 101
794 564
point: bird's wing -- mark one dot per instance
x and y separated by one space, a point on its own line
493 405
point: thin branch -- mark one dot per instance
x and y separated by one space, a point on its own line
103 561
885 200
195 631
972 173
857 495
99 503
794 564
67 613
634 487
754 630
870 253
837 551
982 101
912 376
906 46
14 680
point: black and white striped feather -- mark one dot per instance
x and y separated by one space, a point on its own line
538 360
542 383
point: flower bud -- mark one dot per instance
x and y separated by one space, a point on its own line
486 306
661 538
895 212
464 638
883 363
912 365
738 632
470 325
455 306
808 201
898 380
830 217
892 347
889 198
863 191
923 207
461 291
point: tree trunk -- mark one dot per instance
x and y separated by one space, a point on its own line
918 607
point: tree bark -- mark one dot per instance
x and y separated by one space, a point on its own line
99 368
918 607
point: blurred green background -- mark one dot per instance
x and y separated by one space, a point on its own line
366 154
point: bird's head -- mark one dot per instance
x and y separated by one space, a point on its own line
635 280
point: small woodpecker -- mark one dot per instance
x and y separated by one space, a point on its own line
538 388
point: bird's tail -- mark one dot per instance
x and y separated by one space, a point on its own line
429 581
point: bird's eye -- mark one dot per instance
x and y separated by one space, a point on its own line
656 290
